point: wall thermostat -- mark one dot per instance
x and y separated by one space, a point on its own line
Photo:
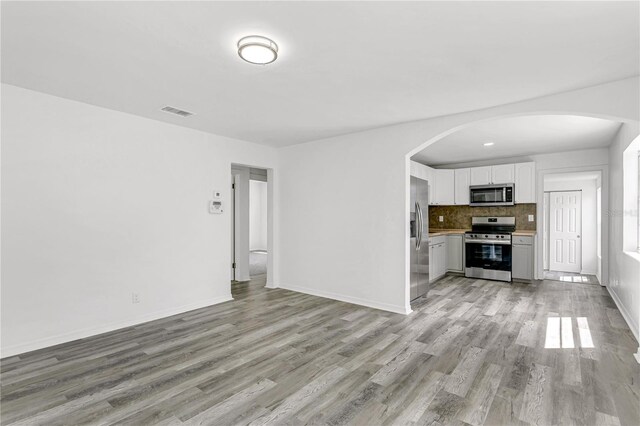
215 207
217 195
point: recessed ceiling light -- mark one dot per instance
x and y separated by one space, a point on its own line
488 144
257 50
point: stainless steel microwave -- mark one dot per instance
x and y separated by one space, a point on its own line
491 195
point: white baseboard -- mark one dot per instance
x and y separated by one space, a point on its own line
93 331
625 314
350 299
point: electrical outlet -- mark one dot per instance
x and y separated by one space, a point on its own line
440 218
135 298
530 218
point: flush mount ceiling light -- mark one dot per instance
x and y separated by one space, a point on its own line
488 144
257 50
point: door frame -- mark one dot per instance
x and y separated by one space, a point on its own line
232 208
272 251
604 207
548 231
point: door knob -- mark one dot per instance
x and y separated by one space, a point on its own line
578 236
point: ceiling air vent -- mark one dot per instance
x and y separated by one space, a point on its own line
177 111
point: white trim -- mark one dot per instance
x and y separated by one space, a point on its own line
89 332
637 355
397 309
625 314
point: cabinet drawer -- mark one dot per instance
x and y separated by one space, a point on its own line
523 240
440 239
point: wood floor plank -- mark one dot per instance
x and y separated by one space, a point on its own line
481 397
462 377
472 353
537 408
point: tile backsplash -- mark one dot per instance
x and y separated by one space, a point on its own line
459 217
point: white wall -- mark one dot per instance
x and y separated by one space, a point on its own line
106 177
351 196
97 204
257 215
589 233
624 282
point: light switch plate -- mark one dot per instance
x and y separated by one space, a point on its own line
530 218
440 218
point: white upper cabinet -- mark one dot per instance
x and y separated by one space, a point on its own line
425 173
451 186
462 182
504 173
525 182
443 188
480 175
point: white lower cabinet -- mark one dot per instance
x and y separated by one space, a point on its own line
522 259
437 258
455 253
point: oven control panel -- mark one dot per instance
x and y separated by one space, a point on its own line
474 236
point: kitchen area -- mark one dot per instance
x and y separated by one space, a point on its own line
477 222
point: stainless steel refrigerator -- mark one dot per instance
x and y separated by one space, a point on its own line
419 237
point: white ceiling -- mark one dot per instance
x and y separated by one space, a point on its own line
343 66
519 136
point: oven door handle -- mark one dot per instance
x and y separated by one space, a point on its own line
493 242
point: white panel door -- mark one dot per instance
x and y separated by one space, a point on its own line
504 173
565 226
462 181
480 175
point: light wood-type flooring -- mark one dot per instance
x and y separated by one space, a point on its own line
570 277
473 352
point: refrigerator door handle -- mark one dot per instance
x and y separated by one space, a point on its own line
417 226
419 217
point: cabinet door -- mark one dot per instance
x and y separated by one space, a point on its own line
437 253
462 180
435 262
525 182
442 260
480 175
504 173
522 266
432 264
444 187
454 253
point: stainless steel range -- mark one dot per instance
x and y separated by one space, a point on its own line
488 248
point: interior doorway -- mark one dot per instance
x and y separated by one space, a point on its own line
257 223
571 223
249 223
